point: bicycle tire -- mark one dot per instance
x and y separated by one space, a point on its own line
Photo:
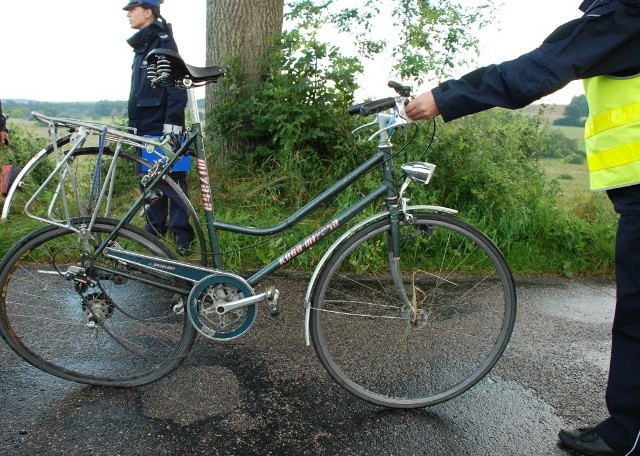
376 347
84 165
46 318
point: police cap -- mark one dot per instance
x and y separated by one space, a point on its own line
134 3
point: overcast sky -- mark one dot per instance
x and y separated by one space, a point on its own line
75 50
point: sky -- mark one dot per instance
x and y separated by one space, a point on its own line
76 50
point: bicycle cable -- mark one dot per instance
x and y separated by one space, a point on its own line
433 137
634 445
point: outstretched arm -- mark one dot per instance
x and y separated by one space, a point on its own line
602 42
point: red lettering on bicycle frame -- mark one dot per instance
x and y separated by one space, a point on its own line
308 242
205 186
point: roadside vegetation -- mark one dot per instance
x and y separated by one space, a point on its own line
501 170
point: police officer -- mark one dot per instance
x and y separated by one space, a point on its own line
602 48
157 111
4 133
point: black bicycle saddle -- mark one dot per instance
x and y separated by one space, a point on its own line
168 68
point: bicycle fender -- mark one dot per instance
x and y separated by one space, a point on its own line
16 183
321 264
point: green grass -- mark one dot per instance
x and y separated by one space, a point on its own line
571 178
37 128
575 133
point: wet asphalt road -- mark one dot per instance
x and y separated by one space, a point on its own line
266 394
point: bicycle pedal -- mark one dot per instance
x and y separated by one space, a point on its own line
274 310
272 295
177 304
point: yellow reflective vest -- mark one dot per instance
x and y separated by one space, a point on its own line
612 131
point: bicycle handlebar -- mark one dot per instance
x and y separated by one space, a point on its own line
376 106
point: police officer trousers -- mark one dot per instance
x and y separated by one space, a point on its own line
621 431
170 206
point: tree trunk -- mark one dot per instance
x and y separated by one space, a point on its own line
243 28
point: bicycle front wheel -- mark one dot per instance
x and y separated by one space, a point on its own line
426 329
89 319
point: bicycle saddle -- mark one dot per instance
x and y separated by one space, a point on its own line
167 68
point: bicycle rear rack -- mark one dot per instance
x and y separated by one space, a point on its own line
58 199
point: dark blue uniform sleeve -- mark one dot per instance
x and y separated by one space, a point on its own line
605 40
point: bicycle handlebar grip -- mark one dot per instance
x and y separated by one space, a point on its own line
376 106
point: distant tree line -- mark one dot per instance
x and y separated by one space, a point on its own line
575 113
87 110
82 110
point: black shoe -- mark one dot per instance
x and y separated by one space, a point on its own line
183 249
585 440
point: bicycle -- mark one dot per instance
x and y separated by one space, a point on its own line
407 308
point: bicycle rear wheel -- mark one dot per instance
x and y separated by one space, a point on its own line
421 336
81 183
110 326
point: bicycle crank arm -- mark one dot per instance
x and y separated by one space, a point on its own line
270 297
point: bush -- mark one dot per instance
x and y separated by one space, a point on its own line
486 171
574 159
294 125
23 146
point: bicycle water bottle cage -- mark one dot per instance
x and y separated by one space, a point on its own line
166 68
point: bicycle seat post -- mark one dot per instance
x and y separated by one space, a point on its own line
193 106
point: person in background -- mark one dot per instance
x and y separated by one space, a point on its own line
155 112
602 48
4 133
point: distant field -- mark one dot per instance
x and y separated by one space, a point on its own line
551 112
575 133
572 178
31 126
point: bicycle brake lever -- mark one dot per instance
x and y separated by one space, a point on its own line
373 122
398 122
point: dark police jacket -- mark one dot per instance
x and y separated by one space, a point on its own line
604 41
3 120
150 108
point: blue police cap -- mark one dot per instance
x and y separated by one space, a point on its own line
134 3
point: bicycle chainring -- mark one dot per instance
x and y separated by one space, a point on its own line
212 291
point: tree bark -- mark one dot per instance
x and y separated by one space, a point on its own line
243 28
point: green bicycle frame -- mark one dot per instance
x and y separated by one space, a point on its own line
387 189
